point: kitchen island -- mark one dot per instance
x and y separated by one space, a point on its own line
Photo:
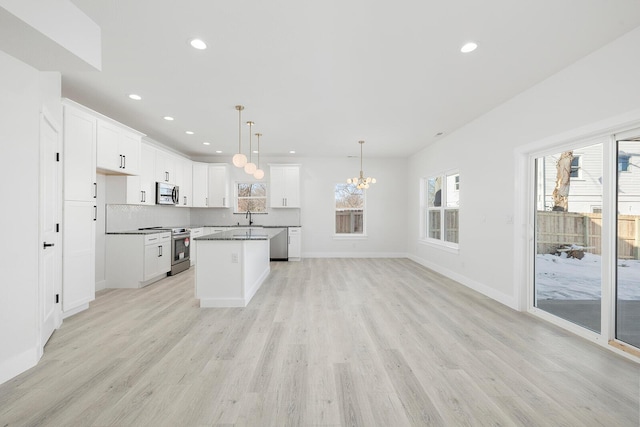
231 266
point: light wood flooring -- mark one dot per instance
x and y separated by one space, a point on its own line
351 342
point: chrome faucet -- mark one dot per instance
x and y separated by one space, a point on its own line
248 215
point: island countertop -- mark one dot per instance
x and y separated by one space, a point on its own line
240 234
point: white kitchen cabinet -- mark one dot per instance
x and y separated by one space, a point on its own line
200 187
219 186
79 254
79 159
137 260
284 186
195 232
184 180
295 243
118 148
135 190
165 167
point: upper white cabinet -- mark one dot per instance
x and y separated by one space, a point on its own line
165 167
219 186
184 180
79 158
284 186
118 148
200 184
135 190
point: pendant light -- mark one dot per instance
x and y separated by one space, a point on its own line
361 182
250 167
259 173
239 159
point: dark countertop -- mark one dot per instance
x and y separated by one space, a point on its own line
141 232
246 226
237 235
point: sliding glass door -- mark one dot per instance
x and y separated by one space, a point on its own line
628 240
568 222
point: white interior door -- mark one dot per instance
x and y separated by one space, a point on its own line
50 250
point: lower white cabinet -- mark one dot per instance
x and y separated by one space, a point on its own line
295 243
79 255
137 260
195 232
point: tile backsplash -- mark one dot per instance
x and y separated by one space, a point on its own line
132 217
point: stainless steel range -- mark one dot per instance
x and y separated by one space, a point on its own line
180 248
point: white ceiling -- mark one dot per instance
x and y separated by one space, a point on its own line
316 77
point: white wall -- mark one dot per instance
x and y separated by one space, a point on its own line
386 203
23 91
601 85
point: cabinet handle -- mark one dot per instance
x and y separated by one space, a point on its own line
125 162
159 251
48 245
166 176
95 213
206 201
185 200
120 161
142 196
224 201
95 190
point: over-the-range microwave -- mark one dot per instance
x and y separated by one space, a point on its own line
167 194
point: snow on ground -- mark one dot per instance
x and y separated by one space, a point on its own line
562 278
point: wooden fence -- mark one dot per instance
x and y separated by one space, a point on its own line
556 229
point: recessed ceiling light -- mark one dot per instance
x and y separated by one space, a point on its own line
206 143
292 152
168 118
218 151
198 44
188 132
135 97
469 47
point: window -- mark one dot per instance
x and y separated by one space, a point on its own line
441 215
349 209
575 167
251 196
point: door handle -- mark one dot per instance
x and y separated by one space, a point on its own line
48 245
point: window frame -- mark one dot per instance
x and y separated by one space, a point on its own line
237 197
577 168
353 236
426 210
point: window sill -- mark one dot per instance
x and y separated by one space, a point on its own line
438 244
350 237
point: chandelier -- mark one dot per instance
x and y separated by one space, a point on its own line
239 159
361 182
259 173
250 167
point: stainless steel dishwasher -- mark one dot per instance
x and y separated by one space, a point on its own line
279 245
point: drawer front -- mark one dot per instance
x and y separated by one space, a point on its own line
157 238
294 231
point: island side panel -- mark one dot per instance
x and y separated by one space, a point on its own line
219 273
256 266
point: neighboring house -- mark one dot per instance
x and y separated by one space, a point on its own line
585 194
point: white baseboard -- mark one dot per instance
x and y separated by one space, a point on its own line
18 364
73 311
102 284
221 302
508 300
354 255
